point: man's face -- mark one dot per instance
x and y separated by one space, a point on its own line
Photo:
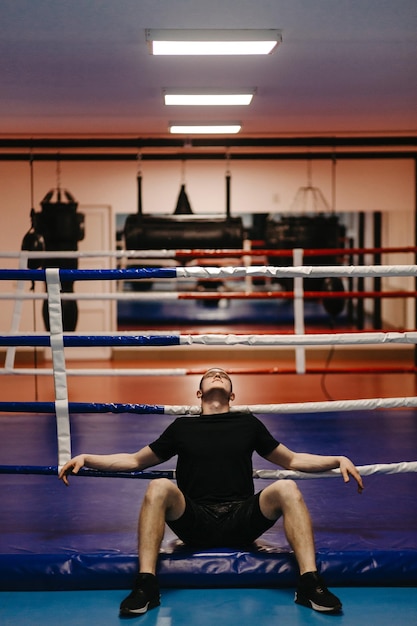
216 379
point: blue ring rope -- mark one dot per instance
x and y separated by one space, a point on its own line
78 341
81 407
74 275
52 470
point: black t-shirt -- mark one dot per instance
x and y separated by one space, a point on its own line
215 454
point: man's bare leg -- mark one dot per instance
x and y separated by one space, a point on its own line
283 497
163 501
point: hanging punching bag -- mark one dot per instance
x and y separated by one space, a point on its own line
183 204
333 306
33 242
61 227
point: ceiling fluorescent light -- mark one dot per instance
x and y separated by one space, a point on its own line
212 41
204 129
204 98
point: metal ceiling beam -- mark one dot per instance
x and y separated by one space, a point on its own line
210 156
139 143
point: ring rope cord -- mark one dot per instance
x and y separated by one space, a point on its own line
364 470
156 338
198 295
58 359
302 271
133 371
305 271
367 404
201 252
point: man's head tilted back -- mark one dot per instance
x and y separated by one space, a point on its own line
216 381
212 372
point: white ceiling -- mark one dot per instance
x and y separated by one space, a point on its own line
82 67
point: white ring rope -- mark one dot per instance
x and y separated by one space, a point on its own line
159 296
98 295
364 470
302 340
94 254
293 272
368 404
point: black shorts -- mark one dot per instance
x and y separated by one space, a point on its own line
221 525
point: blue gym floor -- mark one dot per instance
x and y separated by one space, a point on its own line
202 607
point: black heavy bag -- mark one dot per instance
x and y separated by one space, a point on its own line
61 228
333 306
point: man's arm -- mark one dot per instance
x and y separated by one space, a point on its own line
121 462
304 462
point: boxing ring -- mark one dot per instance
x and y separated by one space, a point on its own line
84 537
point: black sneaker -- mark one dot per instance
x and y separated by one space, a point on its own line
312 592
145 596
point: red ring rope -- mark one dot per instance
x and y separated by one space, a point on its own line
289 295
198 253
